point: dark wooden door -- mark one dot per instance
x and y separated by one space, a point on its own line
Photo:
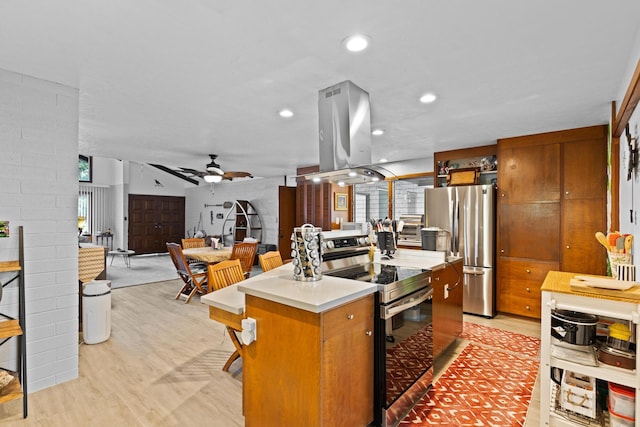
286 219
154 221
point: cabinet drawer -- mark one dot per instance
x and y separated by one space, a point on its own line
520 288
335 321
529 306
525 269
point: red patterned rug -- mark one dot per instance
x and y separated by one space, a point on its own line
488 384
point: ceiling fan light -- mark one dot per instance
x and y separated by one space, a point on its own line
213 178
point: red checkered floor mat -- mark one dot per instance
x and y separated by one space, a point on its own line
484 386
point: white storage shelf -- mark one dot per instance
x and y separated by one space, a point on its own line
621 310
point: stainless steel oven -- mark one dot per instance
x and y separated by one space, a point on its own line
403 359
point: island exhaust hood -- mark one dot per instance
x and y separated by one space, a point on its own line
345 136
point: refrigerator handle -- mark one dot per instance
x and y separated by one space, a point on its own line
455 245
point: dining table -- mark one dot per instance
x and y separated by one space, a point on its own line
208 254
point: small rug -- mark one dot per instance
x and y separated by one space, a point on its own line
144 269
488 384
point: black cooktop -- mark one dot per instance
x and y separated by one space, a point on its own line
380 274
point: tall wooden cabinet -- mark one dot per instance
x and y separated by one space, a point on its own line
309 369
11 327
551 201
313 200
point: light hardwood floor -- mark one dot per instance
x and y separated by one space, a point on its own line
162 366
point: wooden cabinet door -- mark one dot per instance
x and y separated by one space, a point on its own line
529 230
584 202
347 367
154 221
528 173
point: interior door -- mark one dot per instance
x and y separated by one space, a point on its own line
154 221
286 219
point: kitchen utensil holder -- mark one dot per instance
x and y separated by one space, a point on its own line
616 259
306 251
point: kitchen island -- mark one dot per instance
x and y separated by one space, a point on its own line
312 360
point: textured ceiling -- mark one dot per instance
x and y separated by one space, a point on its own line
169 82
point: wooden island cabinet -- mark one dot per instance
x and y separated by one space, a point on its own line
551 201
313 369
448 290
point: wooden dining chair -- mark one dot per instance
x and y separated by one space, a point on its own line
195 242
270 260
194 278
246 253
221 275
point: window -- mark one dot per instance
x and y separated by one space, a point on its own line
371 201
85 173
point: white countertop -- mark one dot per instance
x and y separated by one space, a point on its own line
279 286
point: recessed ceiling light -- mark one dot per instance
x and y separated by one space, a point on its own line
383 160
356 43
352 173
316 179
341 184
375 179
428 98
377 132
286 113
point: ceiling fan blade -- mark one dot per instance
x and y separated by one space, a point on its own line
193 171
237 174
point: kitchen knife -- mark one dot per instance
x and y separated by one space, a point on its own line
620 244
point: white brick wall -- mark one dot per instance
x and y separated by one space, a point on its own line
39 190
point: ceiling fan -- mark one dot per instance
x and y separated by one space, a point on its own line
214 173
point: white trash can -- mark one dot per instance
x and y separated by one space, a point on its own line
96 311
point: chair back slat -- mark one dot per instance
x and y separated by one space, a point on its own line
225 273
246 253
270 260
195 242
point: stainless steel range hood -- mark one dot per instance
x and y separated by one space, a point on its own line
345 136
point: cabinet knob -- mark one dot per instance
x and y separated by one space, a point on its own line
501 194
568 247
368 333
528 271
566 192
528 289
437 278
527 307
501 251
350 316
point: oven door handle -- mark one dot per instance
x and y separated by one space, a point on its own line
395 308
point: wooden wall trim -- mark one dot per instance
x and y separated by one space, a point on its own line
629 103
614 178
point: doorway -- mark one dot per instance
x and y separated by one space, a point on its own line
154 221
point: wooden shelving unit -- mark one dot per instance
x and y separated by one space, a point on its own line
15 328
242 221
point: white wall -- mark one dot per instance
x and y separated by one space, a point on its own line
39 190
262 193
630 190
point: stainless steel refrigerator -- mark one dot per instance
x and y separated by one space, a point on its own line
468 213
